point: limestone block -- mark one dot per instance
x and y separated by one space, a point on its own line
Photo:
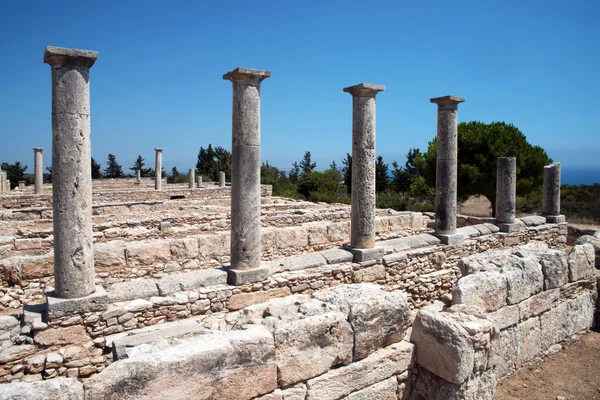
292 237
191 280
505 317
528 340
594 241
581 313
225 365
339 231
52 389
134 289
555 269
8 322
384 390
137 305
317 234
296 392
75 334
369 274
13 353
339 382
581 262
524 279
336 256
555 325
311 346
109 256
484 290
539 303
298 262
147 253
503 354
184 249
216 245
443 346
488 261
377 317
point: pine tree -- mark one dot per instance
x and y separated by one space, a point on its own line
113 169
96 170
381 175
306 165
347 172
334 166
294 173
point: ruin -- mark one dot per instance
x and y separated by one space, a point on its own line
138 288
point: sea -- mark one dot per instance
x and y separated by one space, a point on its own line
579 175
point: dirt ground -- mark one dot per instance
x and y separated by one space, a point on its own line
476 206
573 373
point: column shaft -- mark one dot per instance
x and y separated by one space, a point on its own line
446 164
138 174
199 181
551 195
38 170
191 178
245 171
158 170
71 171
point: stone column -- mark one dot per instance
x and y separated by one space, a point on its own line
446 169
551 195
191 177
199 181
138 174
21 185
362 236
506 194
2 182
38 170
158 170
245 169
71 171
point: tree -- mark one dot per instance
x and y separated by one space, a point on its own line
96 170
113 169
381 175
174 172
139 164
479 146
335 174
347 172
334 166
295 172
306 165
211 161
317 182
400 179
14 172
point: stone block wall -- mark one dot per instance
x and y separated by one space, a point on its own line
509 309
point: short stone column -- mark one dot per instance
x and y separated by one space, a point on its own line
362 236
38 170
191 174
21 185
199 181
71 171
245 169
3 182
158 170
506 194
446 169
551 195
138 174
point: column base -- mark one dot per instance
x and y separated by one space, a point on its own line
554 219
507 227
57 307
361 255
450 239
241 276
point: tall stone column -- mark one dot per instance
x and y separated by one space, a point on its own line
199 181
551 195
245 169
138 174
506 194
38 170
2 182
71 171
158 170
446 169
221 179
362 236
191 174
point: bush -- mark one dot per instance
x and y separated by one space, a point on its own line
317 182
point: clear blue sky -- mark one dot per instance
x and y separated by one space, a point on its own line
158 78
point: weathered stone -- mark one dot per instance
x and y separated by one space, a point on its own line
8 322
58 307
555 325
555 269
336 256
485 290
503 354
386 389
148 253
505 317
75 334
442 346
377 317
13 353
524 279
370 274
581 262
506 189
71 178
109 256
219 365
528 341
158 169
551 193
386 362
133 289
137 305
581 313
191 280
539 303
366 254
363 158
243 300
298 262
53 360
53 389
35 363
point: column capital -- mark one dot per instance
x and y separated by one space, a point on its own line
364 89
159 149
59 57
247 76
40 149
447 102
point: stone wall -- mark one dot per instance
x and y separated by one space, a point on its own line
509 308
